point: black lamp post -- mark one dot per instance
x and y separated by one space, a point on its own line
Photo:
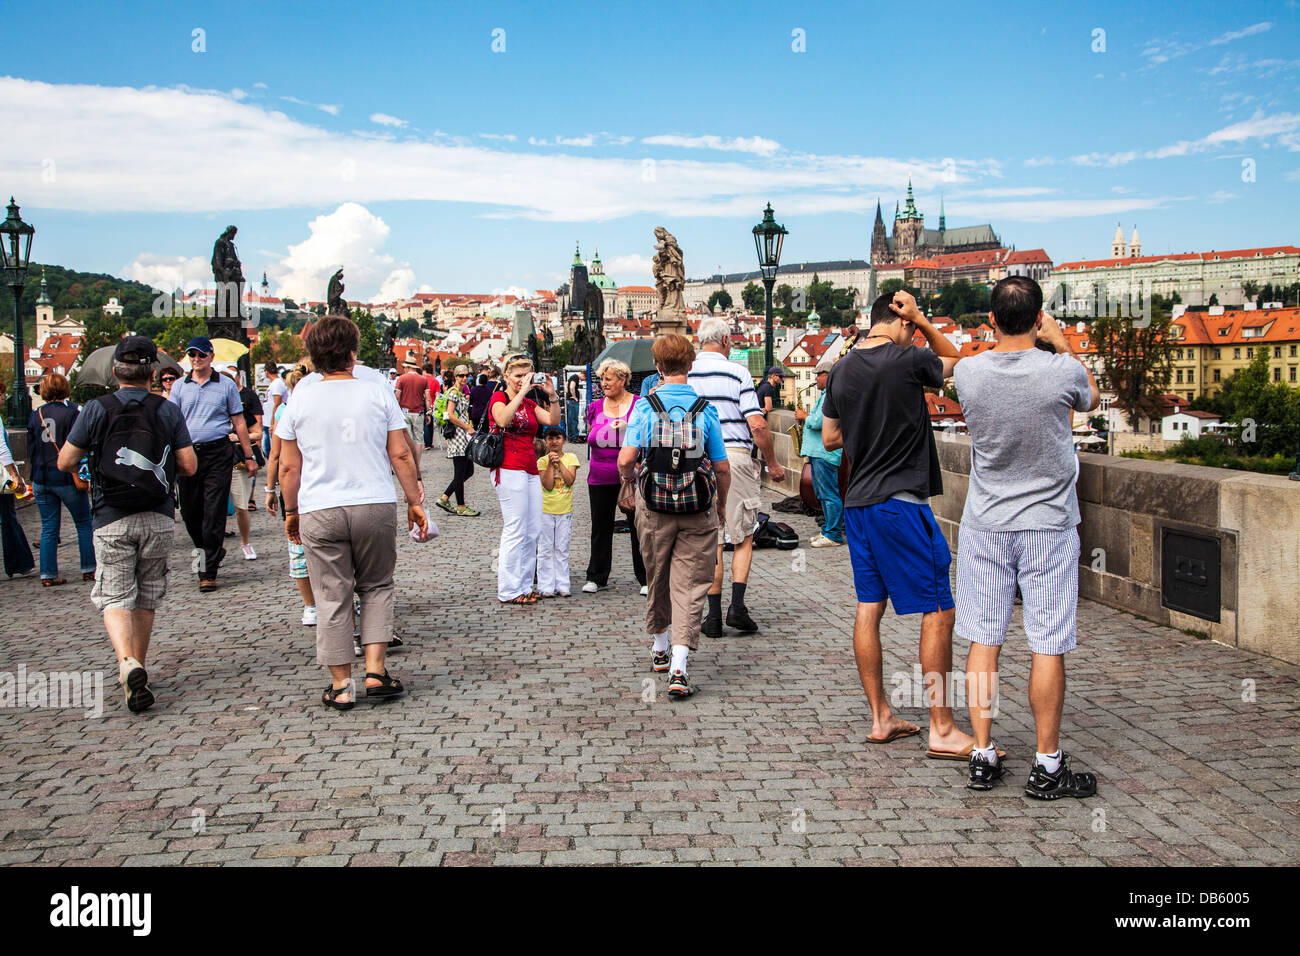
1295 472
768 237
16 250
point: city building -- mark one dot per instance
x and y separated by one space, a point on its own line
1208 346
1196 276
911 240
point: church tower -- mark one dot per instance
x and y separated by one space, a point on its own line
1135 245
909 228
44 313
879 240
1117 248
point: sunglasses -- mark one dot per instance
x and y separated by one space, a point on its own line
168 378
195 353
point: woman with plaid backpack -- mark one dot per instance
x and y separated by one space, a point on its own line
675 463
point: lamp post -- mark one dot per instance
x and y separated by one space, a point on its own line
1295 472
768 237
16 253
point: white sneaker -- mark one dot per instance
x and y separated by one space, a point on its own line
645 589
561 593
821 541
249 553
591 587
309 616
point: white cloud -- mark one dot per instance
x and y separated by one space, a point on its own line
507 137
739 144
1040 161
1158 51
323 107
1221 195
1258 126
241 155
351 238
1010 191
383 119
1051 210
630 269
1105 159
1249 31
514 290
166 273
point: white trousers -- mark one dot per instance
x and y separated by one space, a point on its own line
520 495
553 553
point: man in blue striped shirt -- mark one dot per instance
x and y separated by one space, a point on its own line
730 389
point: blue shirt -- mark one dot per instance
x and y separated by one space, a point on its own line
650 382
812 435
677 400
207 408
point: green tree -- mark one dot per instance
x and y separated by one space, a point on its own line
562 352
177 333
1250 397
290 305
720 298
753 298
783 297
368 353
1135 360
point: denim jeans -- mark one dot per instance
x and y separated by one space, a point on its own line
50 500
826 485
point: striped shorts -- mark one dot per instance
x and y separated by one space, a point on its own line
1046 566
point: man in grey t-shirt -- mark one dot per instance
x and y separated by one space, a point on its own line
1019 525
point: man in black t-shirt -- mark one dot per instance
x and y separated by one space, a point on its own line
769 390
875 410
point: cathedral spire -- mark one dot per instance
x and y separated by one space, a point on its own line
45 292
942 224
577 255
878 216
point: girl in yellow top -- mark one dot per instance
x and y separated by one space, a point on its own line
558 471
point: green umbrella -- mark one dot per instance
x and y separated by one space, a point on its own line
637 354
98 367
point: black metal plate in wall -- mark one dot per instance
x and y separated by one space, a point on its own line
1191 573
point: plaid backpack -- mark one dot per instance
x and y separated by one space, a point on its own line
677 477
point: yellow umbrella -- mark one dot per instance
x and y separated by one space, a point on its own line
228 350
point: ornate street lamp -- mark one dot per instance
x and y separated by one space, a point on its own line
16 253
768 237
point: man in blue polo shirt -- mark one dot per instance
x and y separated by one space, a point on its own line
212 409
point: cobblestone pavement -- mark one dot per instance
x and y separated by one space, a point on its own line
528 737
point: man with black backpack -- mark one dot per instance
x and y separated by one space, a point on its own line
681 498
137 443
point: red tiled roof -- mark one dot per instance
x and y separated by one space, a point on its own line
1027 256
1183 257
941 406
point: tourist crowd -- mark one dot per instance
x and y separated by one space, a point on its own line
680 463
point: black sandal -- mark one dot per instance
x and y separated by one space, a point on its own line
389 686
331 696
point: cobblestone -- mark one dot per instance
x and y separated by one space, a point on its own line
525 738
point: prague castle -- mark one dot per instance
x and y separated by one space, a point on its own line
911 240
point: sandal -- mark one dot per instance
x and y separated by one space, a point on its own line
88 576
388 687
466 512
54 582
522 599
332 694
445 505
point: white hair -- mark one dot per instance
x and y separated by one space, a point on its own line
714 331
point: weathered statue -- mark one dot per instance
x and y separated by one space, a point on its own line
225 260
669 271
593 317
581 354
548 343
534 353
334 297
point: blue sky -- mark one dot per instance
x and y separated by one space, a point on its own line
392 139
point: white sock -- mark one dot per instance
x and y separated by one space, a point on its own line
661 642
1049 762
679 657
989 753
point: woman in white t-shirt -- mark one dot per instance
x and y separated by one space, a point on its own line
341 440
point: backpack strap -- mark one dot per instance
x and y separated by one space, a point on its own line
656 403
701 404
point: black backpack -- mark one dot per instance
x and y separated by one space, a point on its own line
677 477
132 461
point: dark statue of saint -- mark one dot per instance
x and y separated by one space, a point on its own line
581 347
225 260
593 317
334 304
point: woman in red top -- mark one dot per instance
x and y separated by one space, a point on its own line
517 484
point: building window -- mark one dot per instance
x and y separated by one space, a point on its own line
1178 377
1250 353
1277 351
1293 351
1218 353
1292 373
1216 375
1191 376
1277 374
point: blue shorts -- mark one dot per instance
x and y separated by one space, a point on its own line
898 552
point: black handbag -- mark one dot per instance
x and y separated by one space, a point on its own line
487 449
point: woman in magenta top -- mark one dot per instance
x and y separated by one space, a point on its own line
606 425
518 487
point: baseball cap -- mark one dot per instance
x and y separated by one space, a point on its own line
136 350
825 364
201 344
776 370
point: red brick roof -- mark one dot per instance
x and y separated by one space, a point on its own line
1201 328
943 408
1183 257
